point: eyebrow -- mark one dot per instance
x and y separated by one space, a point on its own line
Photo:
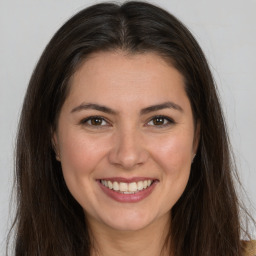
85 106
168 104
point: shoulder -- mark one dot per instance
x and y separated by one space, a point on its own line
249 248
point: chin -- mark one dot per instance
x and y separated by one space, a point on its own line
130 221
134 225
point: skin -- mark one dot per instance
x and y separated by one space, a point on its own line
126 144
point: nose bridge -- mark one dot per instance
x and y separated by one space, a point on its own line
128 148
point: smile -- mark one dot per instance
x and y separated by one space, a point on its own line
127 188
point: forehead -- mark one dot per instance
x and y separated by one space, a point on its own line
110 77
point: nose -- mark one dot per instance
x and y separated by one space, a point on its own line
128 150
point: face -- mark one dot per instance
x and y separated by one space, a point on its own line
126 139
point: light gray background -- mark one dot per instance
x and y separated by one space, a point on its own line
226 30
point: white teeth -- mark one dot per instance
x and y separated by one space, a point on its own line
140 185
110 185
123 187
127 188
132 187
115 186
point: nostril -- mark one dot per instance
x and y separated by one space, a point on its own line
128 159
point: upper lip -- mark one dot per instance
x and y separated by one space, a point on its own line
127 180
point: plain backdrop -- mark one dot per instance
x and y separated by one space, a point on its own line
225 29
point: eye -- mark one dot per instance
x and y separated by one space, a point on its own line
160 121
95 121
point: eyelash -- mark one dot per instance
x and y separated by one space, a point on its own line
167 121
89 119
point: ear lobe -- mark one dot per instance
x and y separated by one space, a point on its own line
55 146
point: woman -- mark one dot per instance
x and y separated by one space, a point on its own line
122 147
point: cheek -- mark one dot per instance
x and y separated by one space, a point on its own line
173 156
174 153
80 155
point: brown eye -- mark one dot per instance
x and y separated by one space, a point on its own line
96 121
160 121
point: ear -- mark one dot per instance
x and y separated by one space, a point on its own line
196 136
55 145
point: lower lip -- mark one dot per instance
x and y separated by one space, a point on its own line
128 198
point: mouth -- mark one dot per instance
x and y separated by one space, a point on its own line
127 187
128 191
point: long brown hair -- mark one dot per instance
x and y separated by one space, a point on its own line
205 220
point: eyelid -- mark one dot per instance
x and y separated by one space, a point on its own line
84 121
169 119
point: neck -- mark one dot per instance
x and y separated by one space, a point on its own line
149 241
